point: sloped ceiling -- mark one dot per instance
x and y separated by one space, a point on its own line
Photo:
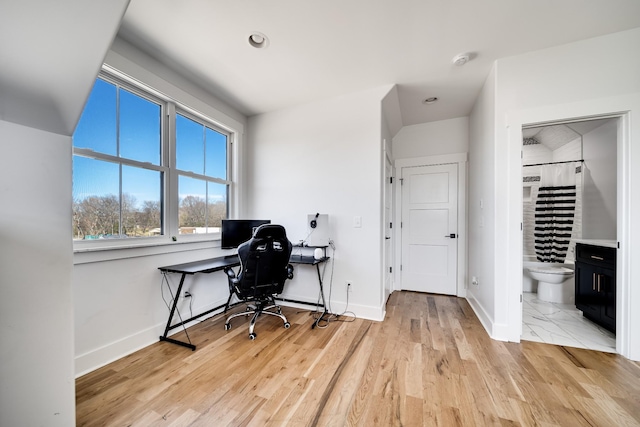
555 136
51 52
325 49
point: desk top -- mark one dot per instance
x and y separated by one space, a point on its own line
220 263
203 266
306 259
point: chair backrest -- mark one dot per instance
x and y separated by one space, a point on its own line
263 262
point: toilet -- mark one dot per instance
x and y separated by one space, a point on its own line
551 283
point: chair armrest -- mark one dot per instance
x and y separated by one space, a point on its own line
229 272
289 271
233 279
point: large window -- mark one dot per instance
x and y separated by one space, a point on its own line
142 170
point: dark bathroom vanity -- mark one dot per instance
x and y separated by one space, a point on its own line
596 283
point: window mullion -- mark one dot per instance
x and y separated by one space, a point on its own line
206 205
120 197
120 231
171 192
204 171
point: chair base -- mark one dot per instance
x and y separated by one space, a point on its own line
257 310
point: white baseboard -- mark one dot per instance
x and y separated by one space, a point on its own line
99 357
360 311
496 331
500 332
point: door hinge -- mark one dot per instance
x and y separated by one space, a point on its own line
401 181
400 267
390 180
390 225
520 297
390 269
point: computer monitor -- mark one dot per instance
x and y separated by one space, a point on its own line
237 231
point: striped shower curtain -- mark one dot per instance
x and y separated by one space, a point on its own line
554 212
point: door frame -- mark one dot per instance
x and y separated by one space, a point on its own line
391 197
461 160
626 344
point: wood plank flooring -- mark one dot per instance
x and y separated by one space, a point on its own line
430 363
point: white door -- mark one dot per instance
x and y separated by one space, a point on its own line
429 228
388 203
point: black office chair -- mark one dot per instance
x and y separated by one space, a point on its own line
264 267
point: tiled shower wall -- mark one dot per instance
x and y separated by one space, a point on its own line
534 153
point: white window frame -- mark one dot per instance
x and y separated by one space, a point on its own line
170 202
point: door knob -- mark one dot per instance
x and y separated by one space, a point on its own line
451 236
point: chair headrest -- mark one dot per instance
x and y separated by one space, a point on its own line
270 231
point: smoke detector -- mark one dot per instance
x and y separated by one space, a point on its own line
461 59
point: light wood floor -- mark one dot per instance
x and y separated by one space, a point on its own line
429 363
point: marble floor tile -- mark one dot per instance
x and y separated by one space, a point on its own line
562 324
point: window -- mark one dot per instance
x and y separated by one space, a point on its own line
122 167
201 162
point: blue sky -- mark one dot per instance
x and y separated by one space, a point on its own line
139 139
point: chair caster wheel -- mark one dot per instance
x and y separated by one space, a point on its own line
287 325
227 326
279 311
252 336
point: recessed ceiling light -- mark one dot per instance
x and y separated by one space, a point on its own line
430 100
258 40
461 59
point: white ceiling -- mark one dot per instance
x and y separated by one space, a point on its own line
50 54
328 48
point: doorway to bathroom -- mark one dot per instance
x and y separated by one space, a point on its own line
569 193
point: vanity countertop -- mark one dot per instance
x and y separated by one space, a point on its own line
599 242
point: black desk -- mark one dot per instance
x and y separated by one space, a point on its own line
218 264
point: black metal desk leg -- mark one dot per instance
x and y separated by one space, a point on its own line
173 310
324 304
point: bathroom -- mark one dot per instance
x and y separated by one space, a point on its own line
561 155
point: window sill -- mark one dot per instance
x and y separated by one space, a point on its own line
84 254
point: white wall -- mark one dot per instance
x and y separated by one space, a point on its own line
51 52
432 139
573 80
481 207
325 157
118 294
391 117
119 306
599 205
37 385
